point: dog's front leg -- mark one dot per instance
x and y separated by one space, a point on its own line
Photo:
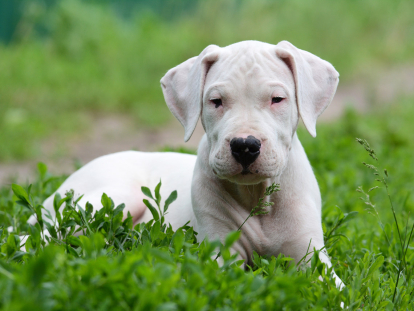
301 249
323 256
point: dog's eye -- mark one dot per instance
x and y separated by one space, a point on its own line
277 99
216 101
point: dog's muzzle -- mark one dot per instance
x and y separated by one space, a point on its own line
245 151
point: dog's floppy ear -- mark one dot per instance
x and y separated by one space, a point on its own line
183 88
315 79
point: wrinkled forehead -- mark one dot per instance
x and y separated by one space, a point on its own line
248 68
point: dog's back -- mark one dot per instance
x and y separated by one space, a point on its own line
121 176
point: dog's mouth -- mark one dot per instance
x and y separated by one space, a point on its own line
247 171
247 178
243 176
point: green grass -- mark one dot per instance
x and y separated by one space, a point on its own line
76 60
150 267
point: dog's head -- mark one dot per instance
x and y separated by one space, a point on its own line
249 96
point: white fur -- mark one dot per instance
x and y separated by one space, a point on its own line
212 192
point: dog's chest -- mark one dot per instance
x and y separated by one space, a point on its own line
266 234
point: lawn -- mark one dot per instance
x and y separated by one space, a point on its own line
150 267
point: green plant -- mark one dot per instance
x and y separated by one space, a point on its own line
158 215
382 177
260 208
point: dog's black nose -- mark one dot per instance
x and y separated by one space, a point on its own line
245 150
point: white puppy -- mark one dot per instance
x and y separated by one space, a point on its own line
249 96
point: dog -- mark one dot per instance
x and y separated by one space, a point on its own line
249 96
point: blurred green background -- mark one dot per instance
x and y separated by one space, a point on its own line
65 63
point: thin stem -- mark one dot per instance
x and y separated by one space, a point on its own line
250 215
396 222
408 242
396 284
404 254
307 253
338 223
319 250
